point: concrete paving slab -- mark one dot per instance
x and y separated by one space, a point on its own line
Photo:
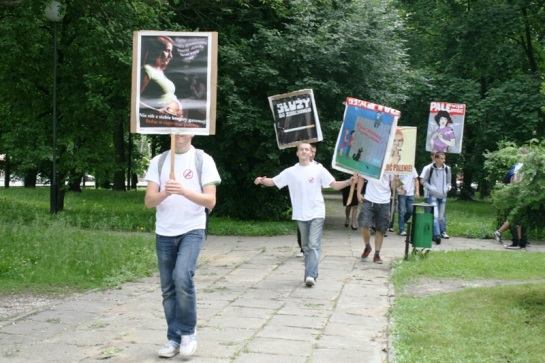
252 307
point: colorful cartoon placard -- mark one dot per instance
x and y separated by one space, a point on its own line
174 82
445 127
365 138
402 153
295 118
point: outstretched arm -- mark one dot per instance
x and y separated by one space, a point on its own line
263 180
338 185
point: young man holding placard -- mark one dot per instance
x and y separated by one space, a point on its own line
180 231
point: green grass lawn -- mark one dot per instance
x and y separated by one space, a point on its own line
101 238
496 324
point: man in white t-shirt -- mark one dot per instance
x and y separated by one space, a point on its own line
180 231
406 189
305 181
375 211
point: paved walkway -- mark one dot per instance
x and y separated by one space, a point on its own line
252 307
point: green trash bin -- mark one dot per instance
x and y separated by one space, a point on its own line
422 226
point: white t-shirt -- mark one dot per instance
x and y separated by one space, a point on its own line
422 176
379 191
408 182
176 214
305 184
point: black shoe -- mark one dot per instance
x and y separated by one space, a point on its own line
437 240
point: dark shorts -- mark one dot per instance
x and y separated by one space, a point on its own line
374 215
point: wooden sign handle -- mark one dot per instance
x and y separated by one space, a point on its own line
172 156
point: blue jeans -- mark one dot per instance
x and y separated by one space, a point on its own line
311 240
177 259
439 218
404 210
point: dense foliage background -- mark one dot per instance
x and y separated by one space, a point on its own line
404 54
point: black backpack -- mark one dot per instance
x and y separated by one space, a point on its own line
509 175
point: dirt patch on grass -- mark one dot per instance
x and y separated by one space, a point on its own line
427 286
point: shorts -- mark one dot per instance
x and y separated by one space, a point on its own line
374 215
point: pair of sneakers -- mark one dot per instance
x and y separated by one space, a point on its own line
186 348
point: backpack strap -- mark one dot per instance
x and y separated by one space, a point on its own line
198 164
432 166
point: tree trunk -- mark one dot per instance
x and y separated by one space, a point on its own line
7 171
119 146
74 183
29 179
134 181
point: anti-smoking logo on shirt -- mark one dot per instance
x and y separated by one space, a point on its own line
188 173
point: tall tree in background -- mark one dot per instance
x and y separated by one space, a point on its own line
94 82
487 54
336 48
266 47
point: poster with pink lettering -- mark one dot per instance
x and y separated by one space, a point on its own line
295 118
365 138
445 127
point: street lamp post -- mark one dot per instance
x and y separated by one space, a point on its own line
54 12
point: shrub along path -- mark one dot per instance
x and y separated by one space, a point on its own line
252 307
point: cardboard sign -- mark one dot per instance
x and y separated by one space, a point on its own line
445 127
295 118
402 153
174 79
365 138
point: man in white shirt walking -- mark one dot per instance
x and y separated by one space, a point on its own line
305 181
180 231
375 212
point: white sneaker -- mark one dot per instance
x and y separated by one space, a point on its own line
497 236
169 350
188 345
445 235
309 281
403 233
300 254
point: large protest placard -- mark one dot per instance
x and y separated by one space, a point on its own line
445 127
295 118
174 82
402 153
365 138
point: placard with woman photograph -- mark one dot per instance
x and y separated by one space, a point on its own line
174 82
445 127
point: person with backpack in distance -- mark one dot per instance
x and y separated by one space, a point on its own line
518 232
436 178
180 226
